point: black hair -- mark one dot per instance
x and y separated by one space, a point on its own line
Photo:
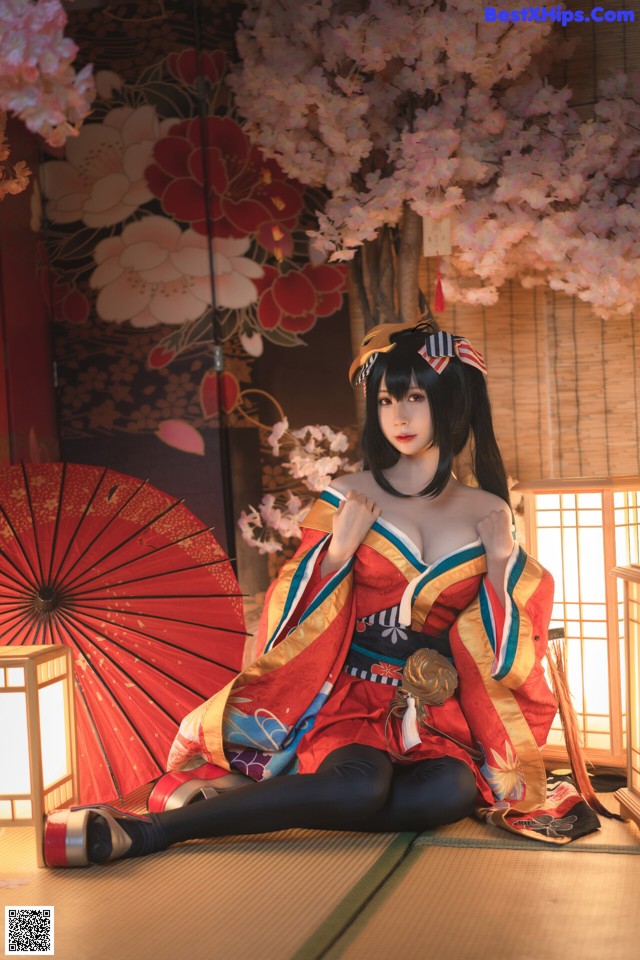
460 408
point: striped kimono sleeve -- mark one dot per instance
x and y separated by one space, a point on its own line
517 633
298 584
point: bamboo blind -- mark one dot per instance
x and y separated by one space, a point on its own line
563 383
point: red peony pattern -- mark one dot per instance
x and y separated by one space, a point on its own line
293 301
247 194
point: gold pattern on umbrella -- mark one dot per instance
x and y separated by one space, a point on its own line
138 588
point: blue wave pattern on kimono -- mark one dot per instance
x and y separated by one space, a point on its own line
275 744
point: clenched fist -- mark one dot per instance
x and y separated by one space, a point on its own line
495 532
351 523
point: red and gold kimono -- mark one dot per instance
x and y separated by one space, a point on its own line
321 682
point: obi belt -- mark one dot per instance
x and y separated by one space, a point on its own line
380 647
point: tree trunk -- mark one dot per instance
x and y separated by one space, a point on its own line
408 262
357 330
383 288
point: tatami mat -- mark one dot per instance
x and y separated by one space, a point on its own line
613 836
476 904
464 892
232 898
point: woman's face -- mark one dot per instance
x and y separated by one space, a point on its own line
406 423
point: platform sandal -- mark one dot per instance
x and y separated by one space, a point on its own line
67 840
181 787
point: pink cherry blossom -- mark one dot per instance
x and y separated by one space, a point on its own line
399 102
37 81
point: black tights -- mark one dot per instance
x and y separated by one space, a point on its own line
355 788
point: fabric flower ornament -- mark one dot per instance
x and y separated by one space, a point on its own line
279 430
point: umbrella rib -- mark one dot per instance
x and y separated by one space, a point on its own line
33 519
22 550
78 687
80 691
23 607
39 628
154 552
179 620
123 543
103 653
28 590
83 515
167 596
148 663
50 624
165 643
100 532
99 740
149 576
21 622
56 528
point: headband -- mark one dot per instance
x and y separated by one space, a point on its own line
438 349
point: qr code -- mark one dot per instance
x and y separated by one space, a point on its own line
28 931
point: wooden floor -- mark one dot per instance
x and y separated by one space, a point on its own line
465 892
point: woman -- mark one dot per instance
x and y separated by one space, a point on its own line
400 678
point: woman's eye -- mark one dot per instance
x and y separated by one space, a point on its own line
416 396
383 401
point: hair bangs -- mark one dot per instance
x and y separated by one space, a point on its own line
403 367
459 405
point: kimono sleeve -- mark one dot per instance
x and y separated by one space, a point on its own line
306 626
300 582
518 632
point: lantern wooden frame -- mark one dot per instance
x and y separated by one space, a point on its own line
41 667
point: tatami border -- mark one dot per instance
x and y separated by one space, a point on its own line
375 881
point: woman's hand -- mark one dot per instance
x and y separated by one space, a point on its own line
351 523
495 532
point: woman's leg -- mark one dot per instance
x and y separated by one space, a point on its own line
351 783
426 795
355 788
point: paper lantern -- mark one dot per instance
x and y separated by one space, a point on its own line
38 766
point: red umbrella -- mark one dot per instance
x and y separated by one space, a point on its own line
138 588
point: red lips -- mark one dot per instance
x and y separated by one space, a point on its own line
405 437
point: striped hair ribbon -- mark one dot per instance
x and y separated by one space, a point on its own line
440 347
365 369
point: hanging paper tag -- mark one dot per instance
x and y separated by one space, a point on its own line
436 236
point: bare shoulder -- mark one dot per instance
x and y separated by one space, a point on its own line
479 502
361 481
